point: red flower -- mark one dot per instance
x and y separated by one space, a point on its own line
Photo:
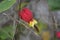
25 14
58 34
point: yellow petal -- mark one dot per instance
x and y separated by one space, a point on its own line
32 23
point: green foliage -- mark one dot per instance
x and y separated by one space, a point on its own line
54 4
6 32
41 26
28 0
3 35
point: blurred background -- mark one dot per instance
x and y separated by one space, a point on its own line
45 12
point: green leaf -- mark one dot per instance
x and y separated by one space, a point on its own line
6 4
9 30
6 32
3 35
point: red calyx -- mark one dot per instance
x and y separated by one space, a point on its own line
25 14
